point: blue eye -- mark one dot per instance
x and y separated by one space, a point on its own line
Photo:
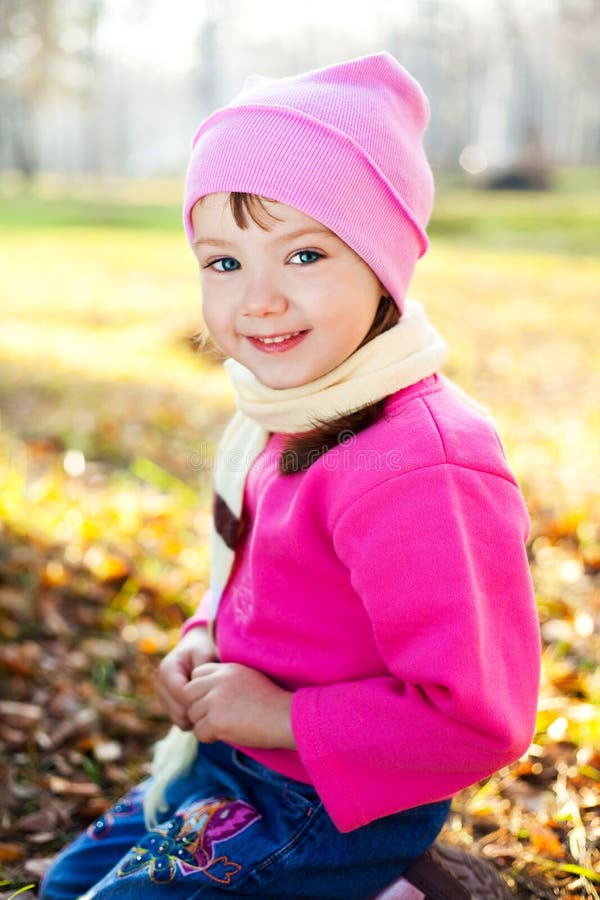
225 264
304 257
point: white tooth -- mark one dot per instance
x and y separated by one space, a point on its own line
280 339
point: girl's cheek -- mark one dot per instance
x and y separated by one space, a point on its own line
216 325
208 309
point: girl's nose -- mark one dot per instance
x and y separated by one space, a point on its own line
262 298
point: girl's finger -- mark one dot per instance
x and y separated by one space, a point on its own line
197 687
182 722
196 711
177 711
204 670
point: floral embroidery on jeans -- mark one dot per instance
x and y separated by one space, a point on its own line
186 843
127 806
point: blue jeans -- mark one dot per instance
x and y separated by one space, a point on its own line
237 828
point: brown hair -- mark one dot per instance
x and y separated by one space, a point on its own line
301 451
243 206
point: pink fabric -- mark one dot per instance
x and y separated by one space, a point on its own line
388 586
318 140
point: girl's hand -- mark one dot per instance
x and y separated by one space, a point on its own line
233 703
194 648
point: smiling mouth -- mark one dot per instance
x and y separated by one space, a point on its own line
277 339
277 342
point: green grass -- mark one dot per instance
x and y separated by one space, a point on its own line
26 211
57 202
544 222
563 220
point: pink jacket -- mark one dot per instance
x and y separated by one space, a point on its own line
388 587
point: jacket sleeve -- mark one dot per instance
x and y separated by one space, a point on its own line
201 617
437 557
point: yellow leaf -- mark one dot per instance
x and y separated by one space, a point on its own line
545 841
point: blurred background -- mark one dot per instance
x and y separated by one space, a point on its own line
110 410
115 87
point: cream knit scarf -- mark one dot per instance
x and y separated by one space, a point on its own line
409 351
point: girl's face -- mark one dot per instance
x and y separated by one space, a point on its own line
289 302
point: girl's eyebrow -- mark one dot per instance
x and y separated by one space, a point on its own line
213 242
287 236
304 232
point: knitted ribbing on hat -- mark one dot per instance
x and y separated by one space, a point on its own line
343 144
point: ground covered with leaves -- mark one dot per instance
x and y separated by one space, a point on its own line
109 422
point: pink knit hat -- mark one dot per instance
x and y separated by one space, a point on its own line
343 144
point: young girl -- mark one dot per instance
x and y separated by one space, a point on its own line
369 644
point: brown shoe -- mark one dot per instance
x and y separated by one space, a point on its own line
447 873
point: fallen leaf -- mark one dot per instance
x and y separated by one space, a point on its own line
545 841
38 867
21 659
11 853
107 751
59 785
20 714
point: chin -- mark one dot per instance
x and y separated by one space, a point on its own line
280 384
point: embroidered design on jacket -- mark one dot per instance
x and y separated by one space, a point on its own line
127 806
186 843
